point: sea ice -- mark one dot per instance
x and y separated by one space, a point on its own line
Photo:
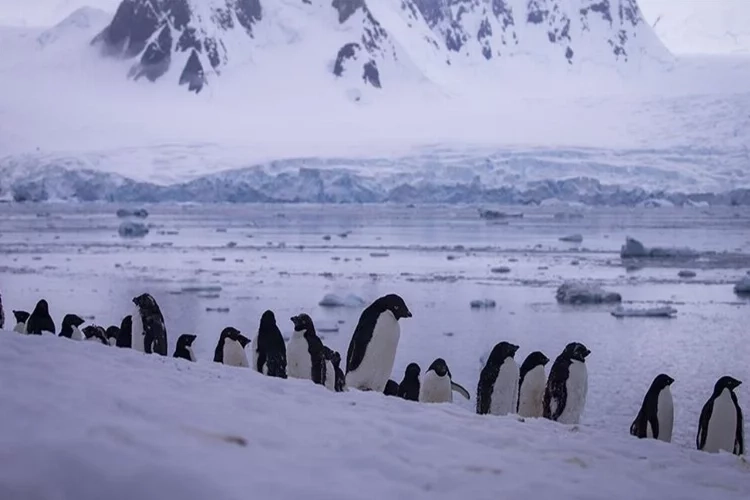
573 238
129 229
140 213
333 300
483 304
651 312
579 292
635 249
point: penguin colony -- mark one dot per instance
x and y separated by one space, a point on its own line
503 387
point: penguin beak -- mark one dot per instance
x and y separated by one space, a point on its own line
586 353
407 314
514 348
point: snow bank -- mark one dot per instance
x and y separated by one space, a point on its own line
153 428
635 249
580 292
650 312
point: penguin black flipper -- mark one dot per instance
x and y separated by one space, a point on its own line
125 336
360 340
739 438
277 365
700 438
317 352
557 389
460 389
484 389
638 427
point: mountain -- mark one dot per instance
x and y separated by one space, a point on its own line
370 43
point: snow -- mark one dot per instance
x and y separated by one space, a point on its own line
581 292
202 426
650 312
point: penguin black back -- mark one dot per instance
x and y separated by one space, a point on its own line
558 376
183 348
125 335
271 347
70 321
391 388
40 321
154 329
409 387
647 415
489 373
315 348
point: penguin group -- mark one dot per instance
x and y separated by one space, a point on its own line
503 387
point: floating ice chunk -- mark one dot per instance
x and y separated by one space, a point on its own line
579 292
495 214
686 273
651 312
634 248
501 269
129 229
325 327
573 238
333 300
201 288
482 304
743 286
141 213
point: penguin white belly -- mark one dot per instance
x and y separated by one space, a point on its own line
298 362
234 354
665 415
330 376
137 332
435 389
722 426
191 353
20 328
531 394
112 341
77 334
577 386
376 366
505 391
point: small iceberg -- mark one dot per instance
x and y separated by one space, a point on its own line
129 229
651 312
140 213
579 292
743 286
500 270
687 273
573 238
495 214
482 304
635 249
333 300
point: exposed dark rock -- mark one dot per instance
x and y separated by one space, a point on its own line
371 74
156 58
348 51
192 75
347 8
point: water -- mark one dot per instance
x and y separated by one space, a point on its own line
438 258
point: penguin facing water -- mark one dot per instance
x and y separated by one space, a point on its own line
184 347
567 385
21 318
230 349
149 334
437 384
656 416
40 321
409 387
125 335
71 327
721 423
497 390
372 349
306 354
531 384
269 349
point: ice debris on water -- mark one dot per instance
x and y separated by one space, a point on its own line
495 214
579 292
129 229
140 213
651 312
500 270
333 300
482 304
743 286
635 249
573 238
686 273
327 327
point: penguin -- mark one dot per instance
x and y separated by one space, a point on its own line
21 318
71 327
269 349
497 389
531 383
391 388
437 385
40 320
409 387
567 385
149 334
230 349
339 380
112 332
372 349
125 336
95 333
306 354
184 348
721 425
656 416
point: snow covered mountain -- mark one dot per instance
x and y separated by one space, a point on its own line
370 42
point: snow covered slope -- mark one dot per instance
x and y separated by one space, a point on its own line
700 26
83 421
44 13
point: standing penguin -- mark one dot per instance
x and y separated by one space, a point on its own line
70 327
567 385
112 333
438 386
184 348
125 335
230 349
391 388
409 387
531 384
339 381
149 333
306 355
21 318
269 349
497 390
95 333
372 349
40 320
656 416
721 424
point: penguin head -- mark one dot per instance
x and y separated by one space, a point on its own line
95 331
440 367
662 380
576 351
395 304
536 358
73 320
500 352
42 307
412 371
303 323
145 302
21 316
186 340
112 332
229 333
726 382
126 326
267 320
242 340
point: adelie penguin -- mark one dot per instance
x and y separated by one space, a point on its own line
112 334
656 416
391 388
184 347
125 335
306 354
149 334
438 385
40 321
71 327
721 423
409 387
567 385
269 349
372 349
230 349
95 333
531 384
21 318
339 383
497 390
